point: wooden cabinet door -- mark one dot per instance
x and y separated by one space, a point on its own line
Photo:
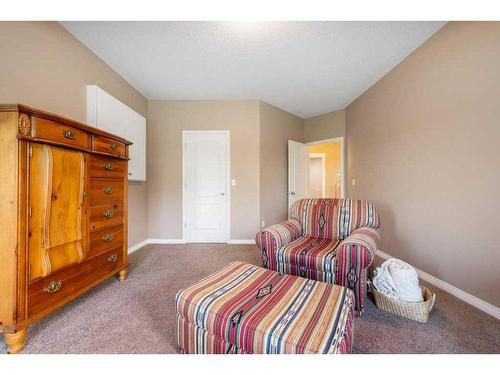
57 221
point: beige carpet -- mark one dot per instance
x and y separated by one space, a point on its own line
138 316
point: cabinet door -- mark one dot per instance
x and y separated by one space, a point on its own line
57 218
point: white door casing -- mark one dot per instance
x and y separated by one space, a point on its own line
206 190
298 171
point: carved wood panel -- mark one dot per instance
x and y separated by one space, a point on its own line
57 216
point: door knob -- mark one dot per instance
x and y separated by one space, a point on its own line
292 193
222 194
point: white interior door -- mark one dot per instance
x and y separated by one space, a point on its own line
298 171
205 186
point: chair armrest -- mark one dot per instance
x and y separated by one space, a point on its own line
354 255
276 236
366 238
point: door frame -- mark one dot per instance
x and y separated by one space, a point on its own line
322 156
342 159
228 180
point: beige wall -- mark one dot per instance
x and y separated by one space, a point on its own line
43 66
332 152
325 126
166 120
423 146
276 128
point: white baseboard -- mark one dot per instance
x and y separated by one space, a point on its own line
168 241
164 241
154 241
241 242
459 293
138 246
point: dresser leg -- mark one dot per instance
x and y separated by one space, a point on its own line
15 341
122 275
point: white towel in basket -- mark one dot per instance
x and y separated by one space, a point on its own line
382 281
398 280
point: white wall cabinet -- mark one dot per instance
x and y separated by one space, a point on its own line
108 113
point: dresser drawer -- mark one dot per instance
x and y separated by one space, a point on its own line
103 191
106 215
57 132
43 293
105 239
101 166
108 145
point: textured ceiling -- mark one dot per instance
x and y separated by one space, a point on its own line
306 68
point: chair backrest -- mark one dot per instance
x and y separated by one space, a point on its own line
333 217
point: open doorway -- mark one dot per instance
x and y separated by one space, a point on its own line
316 169
317 174
326 169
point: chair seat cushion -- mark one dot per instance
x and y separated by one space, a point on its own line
309 253
248 309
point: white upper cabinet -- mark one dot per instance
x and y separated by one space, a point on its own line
108 113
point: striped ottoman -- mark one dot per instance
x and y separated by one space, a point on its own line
248 309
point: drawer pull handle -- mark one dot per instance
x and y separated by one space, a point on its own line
108 237
53 287
108 166
108 213
113 258
108 190
113 146
69 134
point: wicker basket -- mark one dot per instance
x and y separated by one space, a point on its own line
418 311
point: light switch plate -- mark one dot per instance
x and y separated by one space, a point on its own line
233 182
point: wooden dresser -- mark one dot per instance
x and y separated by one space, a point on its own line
63 214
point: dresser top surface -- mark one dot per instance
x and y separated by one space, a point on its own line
54 117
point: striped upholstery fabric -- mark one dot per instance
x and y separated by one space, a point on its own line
322 221
333 217
274 237
308 253
333 240
247 309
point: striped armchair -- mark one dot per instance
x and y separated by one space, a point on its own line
331 240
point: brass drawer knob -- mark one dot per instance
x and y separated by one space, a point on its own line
108 166
108 190
69 134
108 237
53 287
113 258
113 146
108 213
